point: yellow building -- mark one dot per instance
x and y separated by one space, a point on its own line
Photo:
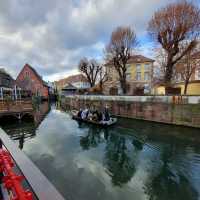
194 84
139 74
192 89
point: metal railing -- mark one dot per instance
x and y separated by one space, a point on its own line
39 184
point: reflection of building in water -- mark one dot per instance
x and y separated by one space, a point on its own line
21 132
26 128
40 112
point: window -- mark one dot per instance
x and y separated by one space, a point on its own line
146 76
138 67
138 76
128 68
27 74
146 67
128 72
198 74
128 76
179 77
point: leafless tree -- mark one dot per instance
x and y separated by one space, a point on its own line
123 40
187 66
94 72
172 25
160 66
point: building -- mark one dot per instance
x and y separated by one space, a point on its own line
5 79
29 79
79 81
69 89
7 84
178 82
139 74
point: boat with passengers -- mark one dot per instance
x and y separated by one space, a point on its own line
94 117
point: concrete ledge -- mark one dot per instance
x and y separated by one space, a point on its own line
162 99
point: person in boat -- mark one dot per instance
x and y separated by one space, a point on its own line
96 116
84 113
90 115
100 116
106 114
79 113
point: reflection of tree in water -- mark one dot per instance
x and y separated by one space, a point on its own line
92 139
170 182
118 160
119 157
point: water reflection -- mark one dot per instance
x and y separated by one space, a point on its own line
122 154
91 140
119 159
172 181
24 130
132 161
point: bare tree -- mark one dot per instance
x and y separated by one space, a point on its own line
118 51
93 71
187 66
160 67
172 25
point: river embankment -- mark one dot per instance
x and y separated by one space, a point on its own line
177 110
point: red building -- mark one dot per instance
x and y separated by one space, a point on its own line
29 79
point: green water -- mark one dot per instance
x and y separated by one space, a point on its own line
134 160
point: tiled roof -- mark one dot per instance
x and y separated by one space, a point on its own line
73 79
69 87
136 59
139 58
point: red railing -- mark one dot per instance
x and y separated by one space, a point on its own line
12 181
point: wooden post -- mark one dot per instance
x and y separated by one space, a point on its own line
20 94
15 92
1 92
1 144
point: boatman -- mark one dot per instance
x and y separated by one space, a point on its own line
106 114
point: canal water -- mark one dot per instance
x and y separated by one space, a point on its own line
135 160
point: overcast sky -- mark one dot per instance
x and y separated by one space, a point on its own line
52 35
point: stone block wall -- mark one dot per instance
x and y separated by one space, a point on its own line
178 113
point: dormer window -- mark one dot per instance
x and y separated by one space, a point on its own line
27 74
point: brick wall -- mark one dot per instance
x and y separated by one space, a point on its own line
29 81
179 113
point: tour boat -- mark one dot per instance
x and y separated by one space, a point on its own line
102 123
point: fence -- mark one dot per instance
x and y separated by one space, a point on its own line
39 184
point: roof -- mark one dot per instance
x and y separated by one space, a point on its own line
69 87
136 59
72 79
139 59
36 74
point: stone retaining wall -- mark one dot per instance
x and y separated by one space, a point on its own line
166 109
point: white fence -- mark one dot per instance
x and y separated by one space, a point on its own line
161 99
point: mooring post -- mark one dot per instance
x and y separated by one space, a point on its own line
1 144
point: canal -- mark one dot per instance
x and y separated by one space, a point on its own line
135 160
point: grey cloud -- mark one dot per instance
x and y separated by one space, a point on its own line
53 35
